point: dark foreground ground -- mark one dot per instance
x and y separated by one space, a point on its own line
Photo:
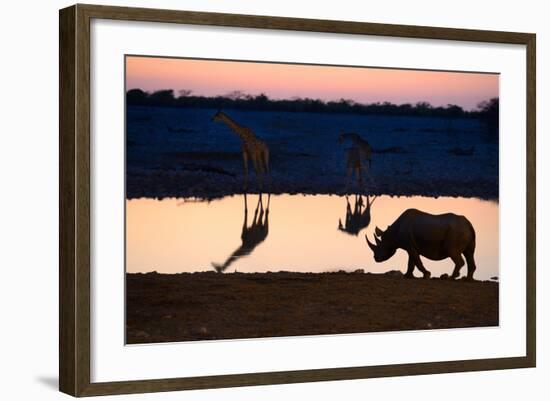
206 306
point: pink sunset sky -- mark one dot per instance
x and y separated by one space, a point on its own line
285 81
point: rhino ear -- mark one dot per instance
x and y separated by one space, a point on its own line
378 232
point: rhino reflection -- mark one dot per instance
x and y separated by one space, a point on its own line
251 236
359 217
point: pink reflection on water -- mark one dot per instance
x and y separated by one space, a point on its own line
172 236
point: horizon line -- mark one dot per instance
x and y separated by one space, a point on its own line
298 98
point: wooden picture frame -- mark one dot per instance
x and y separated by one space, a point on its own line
74 204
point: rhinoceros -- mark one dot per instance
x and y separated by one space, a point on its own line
435 237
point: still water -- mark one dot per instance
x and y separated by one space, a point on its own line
303 233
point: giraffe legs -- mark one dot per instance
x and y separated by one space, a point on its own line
261 215
359 177
260 163
265 163
369 176
348 178
266 218
358 174
245 166
261 166
259 171
245 212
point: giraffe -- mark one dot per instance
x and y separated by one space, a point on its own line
358 219
364 147
251 236
354 163
251 148
359 152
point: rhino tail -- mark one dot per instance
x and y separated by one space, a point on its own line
469 254
472 246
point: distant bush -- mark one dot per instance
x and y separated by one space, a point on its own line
137 97
489 114
241 101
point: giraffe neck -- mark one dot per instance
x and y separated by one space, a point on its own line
235 127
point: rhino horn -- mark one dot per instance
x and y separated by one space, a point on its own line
378 232
371 245
377 240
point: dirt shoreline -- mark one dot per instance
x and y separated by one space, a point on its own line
208 306
160 184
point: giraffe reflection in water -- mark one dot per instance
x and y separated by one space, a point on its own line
359 217
251 236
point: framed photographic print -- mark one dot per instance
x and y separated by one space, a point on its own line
251 200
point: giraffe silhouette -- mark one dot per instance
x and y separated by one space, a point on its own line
359 218
251 147
358 157
362 145
251 236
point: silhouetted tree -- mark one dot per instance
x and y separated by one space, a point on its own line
452 110
164 97
489 114
423 108
137 97
487 111
185 92
261 99
235 95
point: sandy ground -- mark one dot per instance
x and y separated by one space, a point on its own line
207 306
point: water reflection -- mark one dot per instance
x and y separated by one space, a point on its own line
359 217
162 236
251 236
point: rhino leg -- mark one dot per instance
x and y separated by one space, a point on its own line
418 263
469 254
459 262
410 267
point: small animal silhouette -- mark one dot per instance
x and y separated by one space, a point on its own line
251 236
252 148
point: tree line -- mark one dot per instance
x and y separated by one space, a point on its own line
487 111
